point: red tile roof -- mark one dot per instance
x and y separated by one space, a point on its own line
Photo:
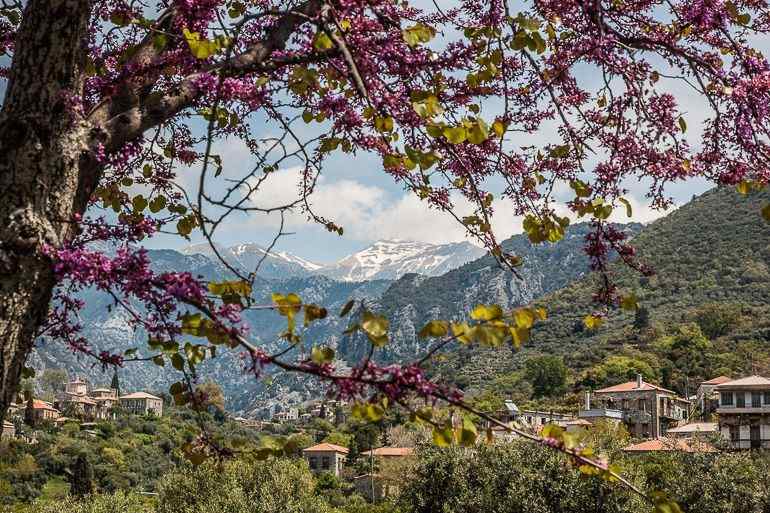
630 386
42 405
324 447
390 451
717 381
670 444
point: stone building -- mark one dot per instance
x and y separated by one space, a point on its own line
646 409
744 412
326 457
707 398
142 403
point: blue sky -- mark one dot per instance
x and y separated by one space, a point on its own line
358 195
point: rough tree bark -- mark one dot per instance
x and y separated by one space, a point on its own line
48 165
44 161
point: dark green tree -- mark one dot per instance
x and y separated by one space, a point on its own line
115 382
29 412
82 477
548 375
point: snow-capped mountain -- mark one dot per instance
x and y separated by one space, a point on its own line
246 257
386 260
391 259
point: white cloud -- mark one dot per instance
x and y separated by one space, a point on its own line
369 213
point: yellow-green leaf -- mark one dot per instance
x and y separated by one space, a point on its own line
455 135
486 312
682 124
629 302
592 322
434 329
376 328
766 212
321 355
442 436
629 211
524 318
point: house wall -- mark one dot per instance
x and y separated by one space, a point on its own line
325 461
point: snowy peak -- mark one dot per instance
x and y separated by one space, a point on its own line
246 257
391 259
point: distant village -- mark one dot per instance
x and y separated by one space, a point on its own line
78 402
724 414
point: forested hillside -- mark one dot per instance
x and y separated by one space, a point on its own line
705 312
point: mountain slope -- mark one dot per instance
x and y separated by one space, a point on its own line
246 257
711 255
413 300
391 259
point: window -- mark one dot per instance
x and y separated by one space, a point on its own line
756 400
325 463
735 433
313 462
767 398
727 398
740 400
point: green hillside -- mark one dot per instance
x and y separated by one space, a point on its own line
705 312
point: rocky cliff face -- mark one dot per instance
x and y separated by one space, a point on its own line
409 302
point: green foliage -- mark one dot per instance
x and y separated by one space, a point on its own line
511 478
82 483
272 486
119 502
548 375
717 319
618 369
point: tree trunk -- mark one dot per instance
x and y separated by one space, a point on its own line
47 172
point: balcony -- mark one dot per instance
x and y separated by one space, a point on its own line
601 413
637 417
732 409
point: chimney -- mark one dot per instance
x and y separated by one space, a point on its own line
639 381
588 400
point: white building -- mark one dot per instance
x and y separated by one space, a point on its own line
142 403
744 412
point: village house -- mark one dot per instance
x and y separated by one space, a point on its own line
707 398
647 410
387 480
106 401
531 419
142 403
389 452
287 415
326 457
9 430
44 412
75 400
744 412
695 429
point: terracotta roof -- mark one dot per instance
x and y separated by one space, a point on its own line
670 444
696 427
390 451
750 381
42 405
630 386
139 395
717 381
327 448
